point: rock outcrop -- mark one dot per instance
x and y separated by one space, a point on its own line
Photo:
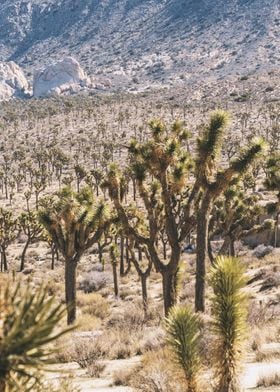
62 77
13 82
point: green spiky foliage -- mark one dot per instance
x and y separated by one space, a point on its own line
273 183
234 215
80 173
211 181
75 221
160 167
183 337
97 176
8 233
229 310
28 325
273 173
33 230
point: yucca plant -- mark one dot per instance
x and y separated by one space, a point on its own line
28 324
183 337
229 309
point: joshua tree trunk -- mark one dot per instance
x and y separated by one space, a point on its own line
144 278
2 385
4 263
22 258
169 284
53 256
164 250
115 278
203 217
210 252
100 253
122 272
70 289
232 248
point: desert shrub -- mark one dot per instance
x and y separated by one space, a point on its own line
93 304
95 369
97 267
132 317
269 381
94 281
153 339
270 355
123 344
87 352
260 313
66 385
88 322
156 374
114 343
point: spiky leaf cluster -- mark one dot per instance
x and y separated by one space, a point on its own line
75 220
229 309
30 225
8 227
234 212
28 324
273 173
162 155
183 337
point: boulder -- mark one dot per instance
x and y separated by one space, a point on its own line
13 82
262 251
266 237
65 76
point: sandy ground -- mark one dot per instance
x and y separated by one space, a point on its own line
252 373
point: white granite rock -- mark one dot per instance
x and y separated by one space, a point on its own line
66 76
13 82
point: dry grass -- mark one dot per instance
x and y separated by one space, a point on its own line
93 304
267 356
269 381
155 374
88 322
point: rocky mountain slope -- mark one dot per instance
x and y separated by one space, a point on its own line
157 41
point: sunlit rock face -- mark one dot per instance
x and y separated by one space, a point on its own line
65 76
13 82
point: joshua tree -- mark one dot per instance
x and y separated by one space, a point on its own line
273 183
177 193
183 336
24 345
143 270
75 221
80 175
234 215
104 241
159 167
97 175
29 224
8 233
229 309
211 182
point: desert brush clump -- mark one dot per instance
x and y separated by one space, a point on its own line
229 310
183 337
